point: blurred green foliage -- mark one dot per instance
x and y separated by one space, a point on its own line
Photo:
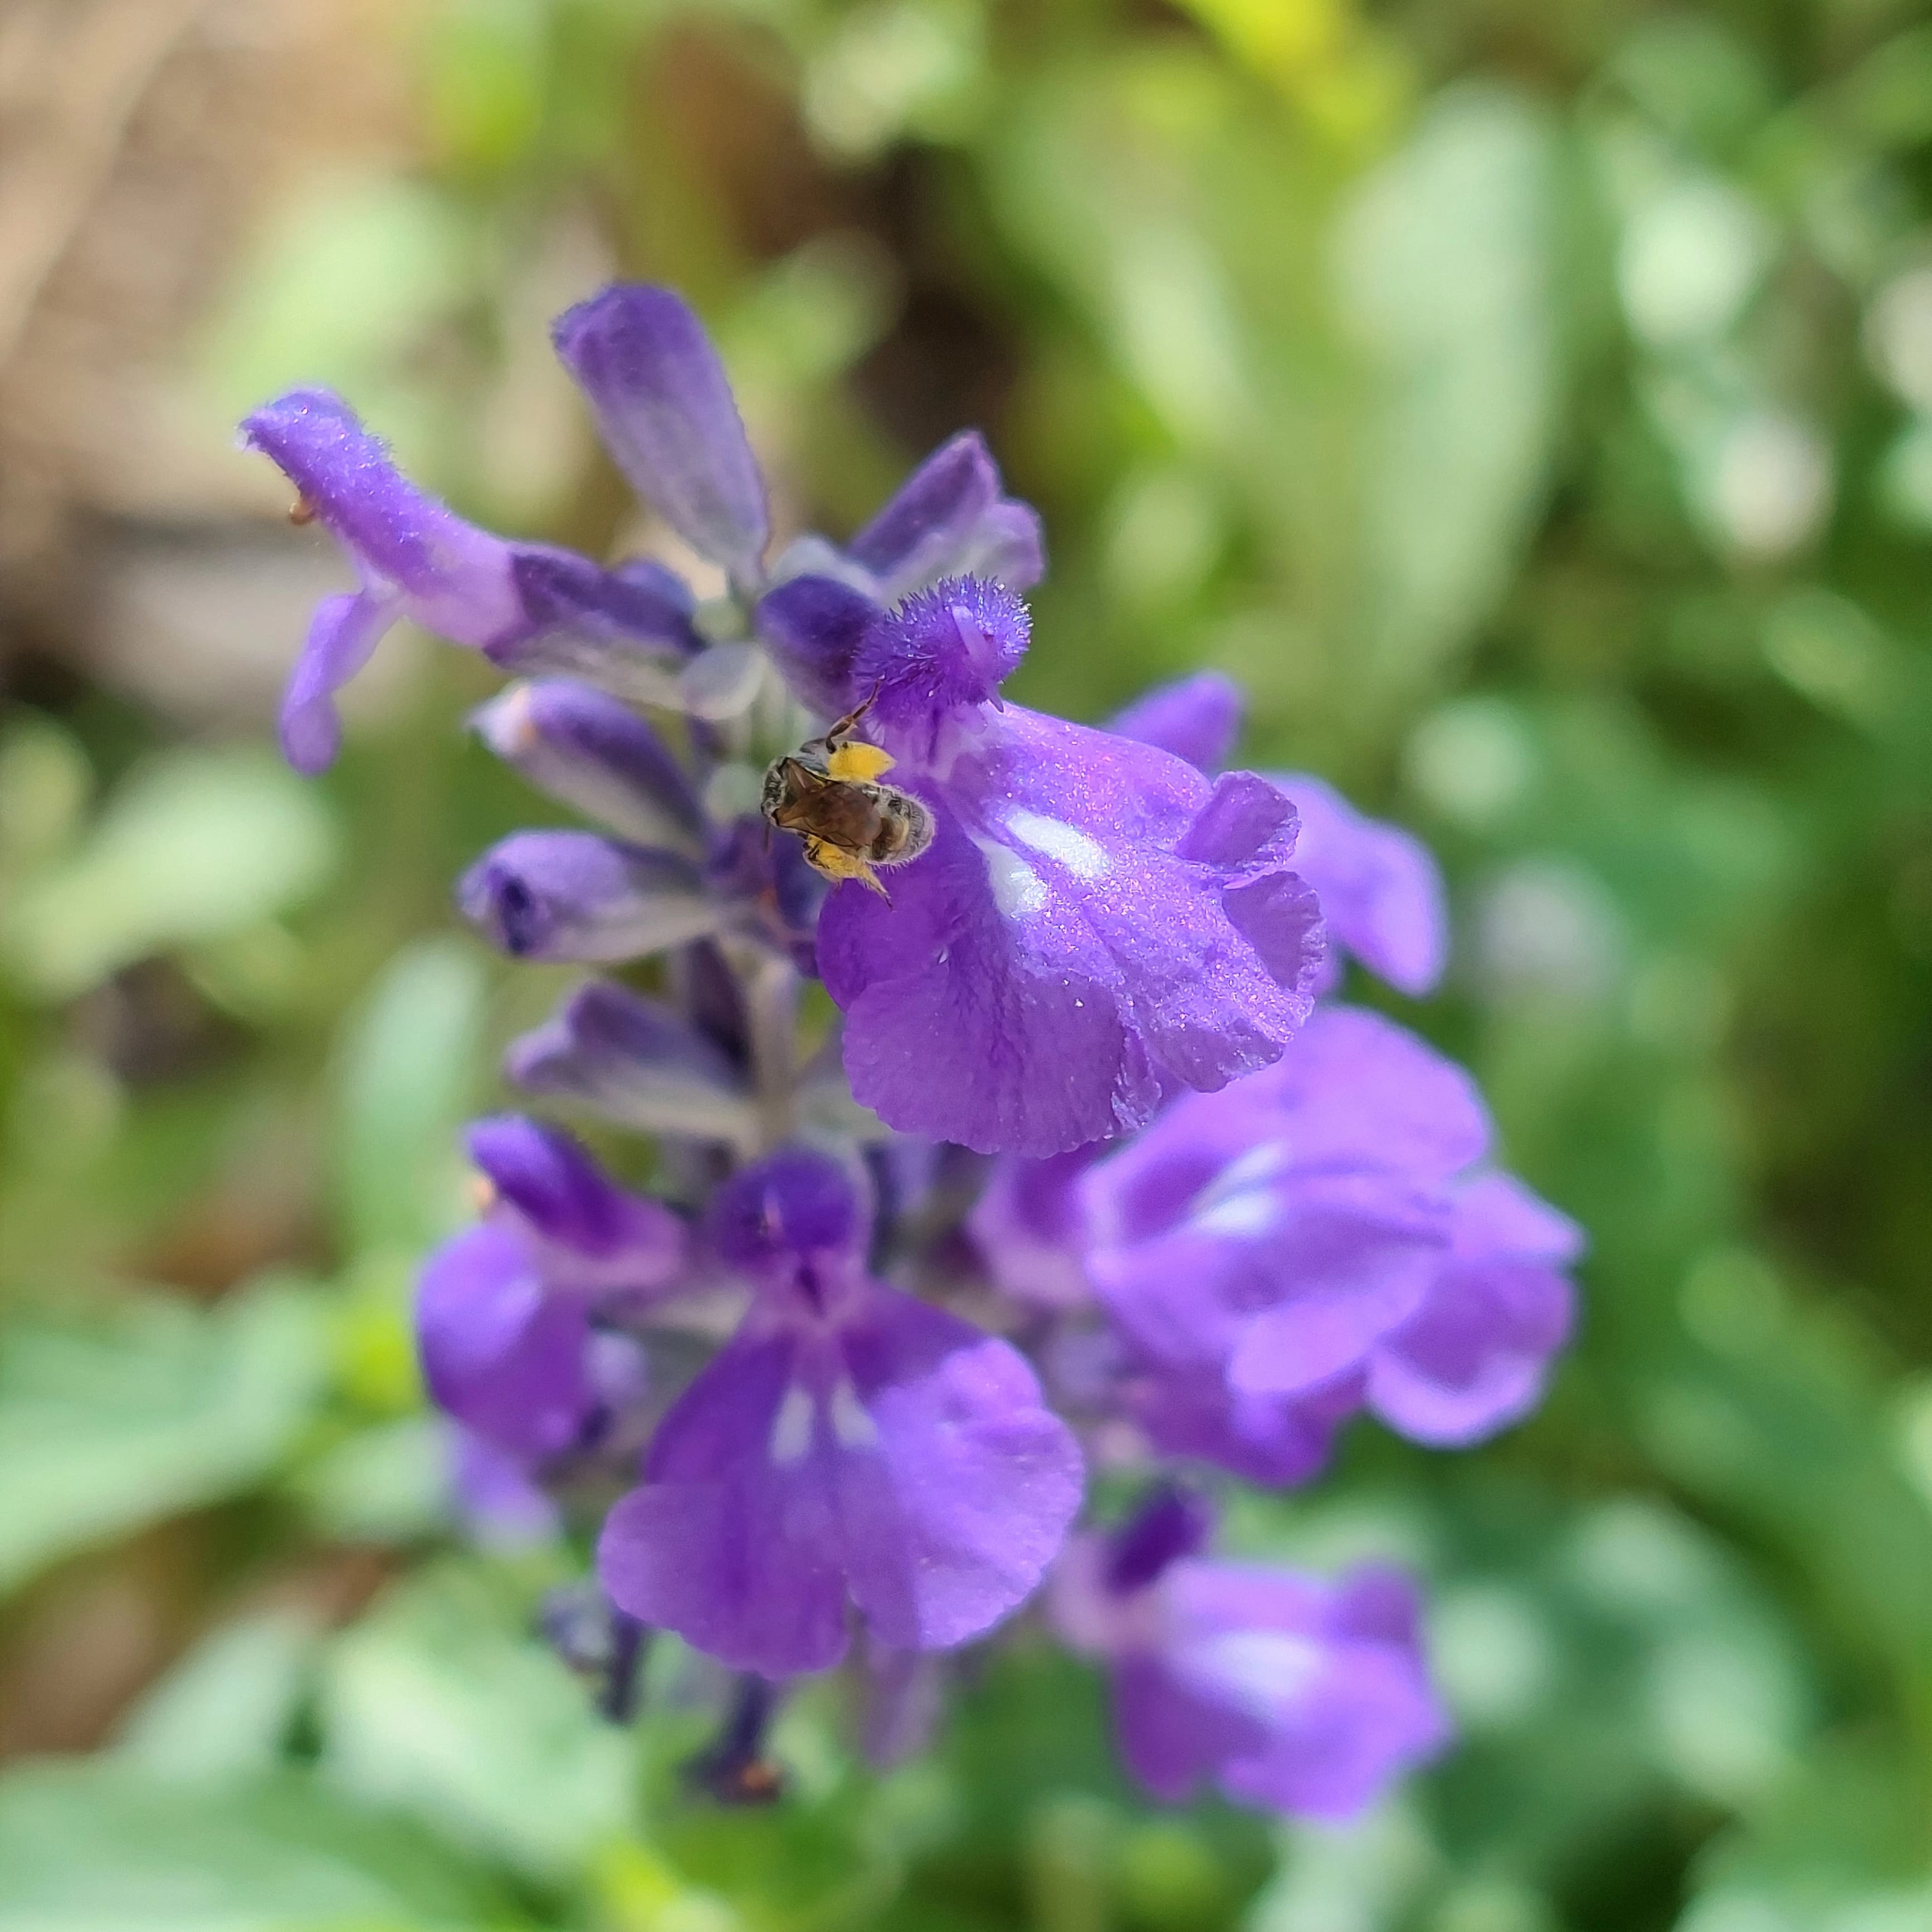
1534 406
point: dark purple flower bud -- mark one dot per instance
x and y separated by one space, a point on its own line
578 895
638 1063
1197 718
549 1177
795 1209
629 631
1381 889
1172 1523
850 1446
586 749
948 519
1292 1694
664 409
813 627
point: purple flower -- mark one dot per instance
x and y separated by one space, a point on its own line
664 409
1381 890
503 1310
588 750
1316 1240
850 1445
1291 1694
579 896
1197 718
523 605
1095 925
948 518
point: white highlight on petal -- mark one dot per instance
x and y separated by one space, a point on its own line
1263 1669
1067 845
1018 891
1240 1202
851 1425
792 1427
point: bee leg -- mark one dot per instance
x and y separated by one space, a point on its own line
843 729
831 862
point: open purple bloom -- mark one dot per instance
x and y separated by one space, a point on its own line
523 605
1095 925
1292 1694
504 1309
1380 888
1197 718
1318 1239
851 1447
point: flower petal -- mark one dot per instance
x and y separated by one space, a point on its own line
1197 718
549 1177
955 1483
1029 1225
444 573
1381 890
344 632
1052 959
500 1352
638 1063
665 408
733 1541
579 896
948 519
583 747
628 631
1474 1356
814 626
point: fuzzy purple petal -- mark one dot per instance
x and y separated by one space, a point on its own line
410 550
1197 718
1274 1440
664 409
1381 889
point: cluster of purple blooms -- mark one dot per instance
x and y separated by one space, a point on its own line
1092 1169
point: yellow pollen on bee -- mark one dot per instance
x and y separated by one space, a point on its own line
857 763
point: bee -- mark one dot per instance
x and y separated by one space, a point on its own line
828 792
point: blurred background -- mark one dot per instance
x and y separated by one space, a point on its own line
1532 404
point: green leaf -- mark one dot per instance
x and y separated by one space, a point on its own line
166 1407
441 1703
1446 263
198 845
227 1705
101 1847
409 1070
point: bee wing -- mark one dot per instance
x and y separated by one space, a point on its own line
859 763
